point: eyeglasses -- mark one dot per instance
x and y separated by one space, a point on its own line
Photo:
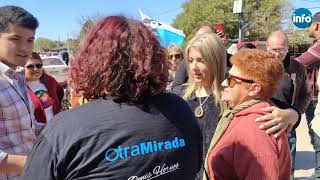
32 66
176 56
231 80
278 51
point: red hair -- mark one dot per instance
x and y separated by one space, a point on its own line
261 67
122 59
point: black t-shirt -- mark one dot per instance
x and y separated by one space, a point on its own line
285 90
105 140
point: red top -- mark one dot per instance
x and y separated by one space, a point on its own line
55 91
246 152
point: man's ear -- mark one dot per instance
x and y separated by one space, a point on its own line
254 89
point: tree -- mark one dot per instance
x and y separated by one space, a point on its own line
72 43
263 16
298 36
87 22
44 44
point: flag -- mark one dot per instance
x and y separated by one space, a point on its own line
167 34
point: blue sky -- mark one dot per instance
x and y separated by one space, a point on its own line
60 19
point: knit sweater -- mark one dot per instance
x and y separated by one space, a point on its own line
207 123
246 152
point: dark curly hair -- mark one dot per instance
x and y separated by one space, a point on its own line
120 59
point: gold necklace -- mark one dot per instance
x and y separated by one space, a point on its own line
199 112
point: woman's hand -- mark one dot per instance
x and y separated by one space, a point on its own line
278 121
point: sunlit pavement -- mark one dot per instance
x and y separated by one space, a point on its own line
305 161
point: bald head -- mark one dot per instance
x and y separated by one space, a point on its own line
278 37
278 43
205 29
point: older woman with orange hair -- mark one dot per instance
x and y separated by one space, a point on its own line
239 149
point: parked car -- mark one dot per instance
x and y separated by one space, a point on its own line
56 67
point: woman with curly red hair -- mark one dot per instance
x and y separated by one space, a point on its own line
130 129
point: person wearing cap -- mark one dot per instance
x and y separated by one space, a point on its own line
311 59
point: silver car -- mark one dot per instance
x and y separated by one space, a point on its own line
56 67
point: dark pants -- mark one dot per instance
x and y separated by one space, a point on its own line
292 138
315 139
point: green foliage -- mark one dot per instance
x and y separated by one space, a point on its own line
263 15
87 24
298 36
72 43
43 44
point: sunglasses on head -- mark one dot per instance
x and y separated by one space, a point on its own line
176 56
231 80
32 66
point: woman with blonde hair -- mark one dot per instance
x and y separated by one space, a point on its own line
206 62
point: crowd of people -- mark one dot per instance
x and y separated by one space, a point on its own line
140 111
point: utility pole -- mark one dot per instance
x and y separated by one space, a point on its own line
238 8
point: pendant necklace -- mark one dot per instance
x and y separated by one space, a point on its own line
199 112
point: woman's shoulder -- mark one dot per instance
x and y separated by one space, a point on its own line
50 81
178 89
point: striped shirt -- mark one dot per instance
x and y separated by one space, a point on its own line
16 116
311 59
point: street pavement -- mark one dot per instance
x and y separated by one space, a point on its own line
305 160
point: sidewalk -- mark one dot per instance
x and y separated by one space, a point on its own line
305 161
